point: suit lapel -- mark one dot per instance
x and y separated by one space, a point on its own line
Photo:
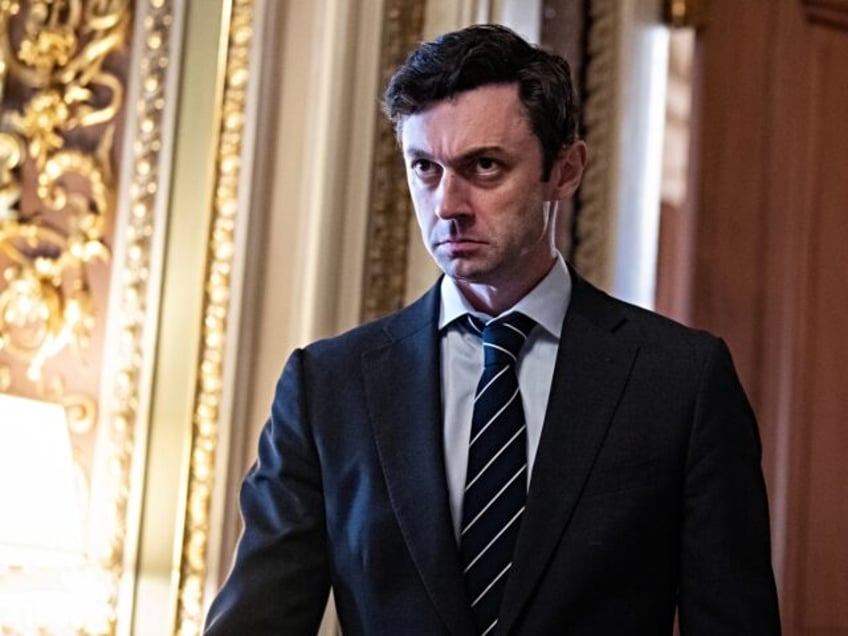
404 397
591 372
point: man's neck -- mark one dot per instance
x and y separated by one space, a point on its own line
495 299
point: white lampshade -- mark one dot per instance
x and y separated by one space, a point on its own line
40 512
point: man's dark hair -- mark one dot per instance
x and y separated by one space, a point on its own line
489 54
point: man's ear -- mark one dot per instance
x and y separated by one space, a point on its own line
567 171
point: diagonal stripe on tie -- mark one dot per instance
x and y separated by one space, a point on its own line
494 418
496 482
515 440
494 540
518 474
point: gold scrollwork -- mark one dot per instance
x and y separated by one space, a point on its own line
80 411
46 302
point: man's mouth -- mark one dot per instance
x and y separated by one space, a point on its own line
459 241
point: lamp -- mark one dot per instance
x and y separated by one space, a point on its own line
40 515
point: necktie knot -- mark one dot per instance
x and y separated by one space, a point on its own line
504 337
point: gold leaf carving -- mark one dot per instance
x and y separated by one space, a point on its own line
45 303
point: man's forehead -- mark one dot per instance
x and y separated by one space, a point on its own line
490 115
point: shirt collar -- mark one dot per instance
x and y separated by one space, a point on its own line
546 303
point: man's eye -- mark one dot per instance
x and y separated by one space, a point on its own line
486 165
423 167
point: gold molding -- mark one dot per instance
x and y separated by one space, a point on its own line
391 208
594 235
137 292
237 24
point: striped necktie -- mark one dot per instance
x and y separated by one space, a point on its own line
496 481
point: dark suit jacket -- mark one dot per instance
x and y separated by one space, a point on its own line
646 492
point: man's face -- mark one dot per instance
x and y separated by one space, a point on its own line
474 170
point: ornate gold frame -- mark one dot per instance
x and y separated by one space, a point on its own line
391 208
593 236
237 35
131 322
132 319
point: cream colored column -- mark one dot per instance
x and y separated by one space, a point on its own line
173 390
623 113
643 77
311 275
308 213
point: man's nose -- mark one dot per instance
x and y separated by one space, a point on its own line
451 197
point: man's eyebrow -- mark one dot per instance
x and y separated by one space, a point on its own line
468 155
485 150
481 151
415 153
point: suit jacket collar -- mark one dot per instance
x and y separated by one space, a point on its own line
592 368
404 396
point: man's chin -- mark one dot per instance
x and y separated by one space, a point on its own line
467 275
466 268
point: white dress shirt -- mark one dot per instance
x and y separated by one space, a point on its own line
462 365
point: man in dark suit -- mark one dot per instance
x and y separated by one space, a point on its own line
516 452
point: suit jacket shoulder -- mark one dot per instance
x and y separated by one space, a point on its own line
350 345
631 320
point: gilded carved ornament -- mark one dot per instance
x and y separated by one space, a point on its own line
60 101
45 302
